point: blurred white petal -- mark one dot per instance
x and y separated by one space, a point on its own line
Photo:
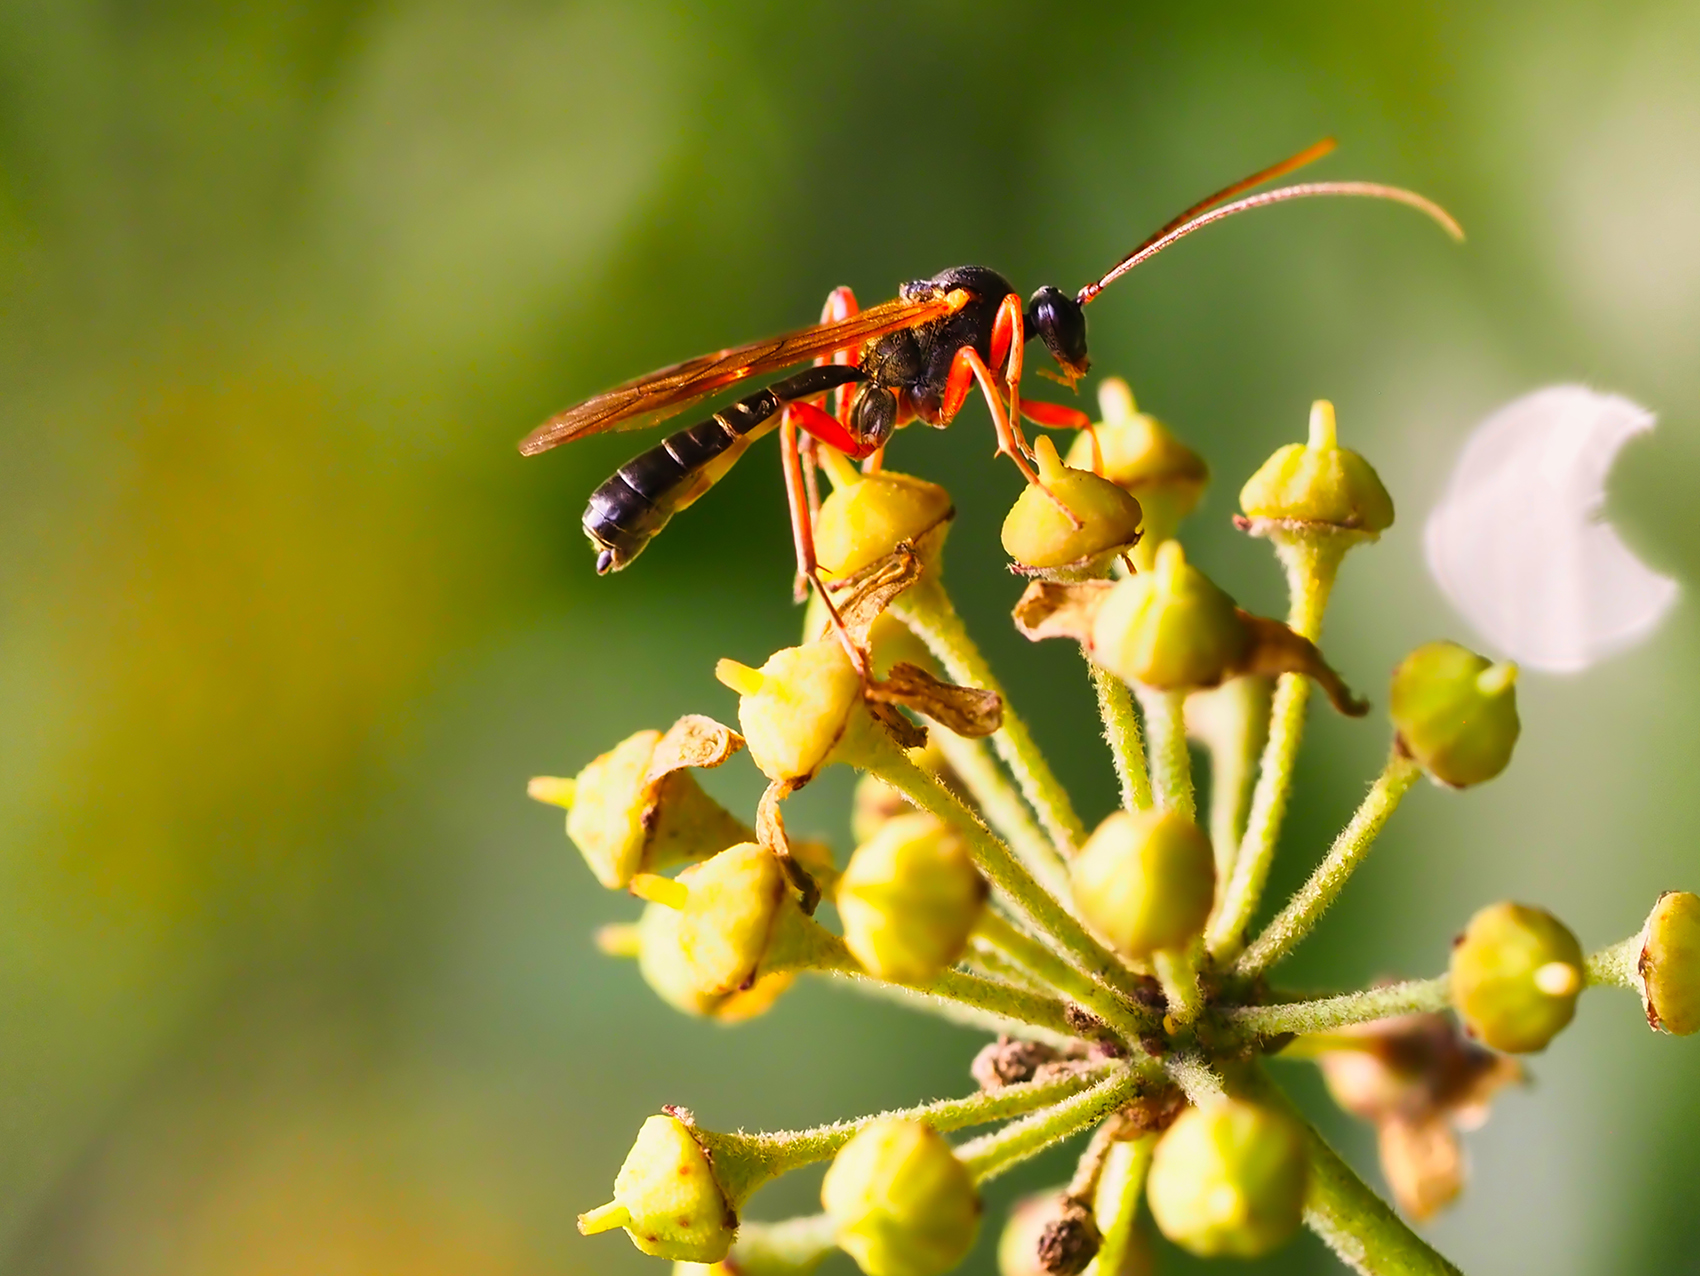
1518 544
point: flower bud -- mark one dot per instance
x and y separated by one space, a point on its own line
665 968
1170 628
1137 453
909 899
863 521
1039 535
1018 1244
1455 712
889 639
667 1199
1145 880
637 808
1229 1180
1516 973
1319 482
1669 973
902 1203
737 921
799 707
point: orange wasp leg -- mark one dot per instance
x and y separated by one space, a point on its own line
802 527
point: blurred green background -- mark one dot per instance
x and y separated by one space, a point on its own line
294 979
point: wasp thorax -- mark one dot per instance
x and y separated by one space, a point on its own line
1319 482
667 1198
1516 974
1455 712
1229 1180
1145 880
1137 452
901 1202
909 899
1075 523
868 518
1171 628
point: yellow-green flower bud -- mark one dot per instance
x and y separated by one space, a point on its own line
1018 1243
738 919
1455 712
863 521
627 816
654 941
1516 973
667 1199
799 707
909 899
889 639
1039 535
903 1205
1669 972
1319 482
1145 880
1137 452
1170 628
1228 1180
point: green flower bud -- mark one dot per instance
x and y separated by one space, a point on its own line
1137 452
1018 1243
1145 880
738 919
1670 964
909 899
1038 535
637 808
654 941
1170 628
889 639
800 708
667 1199
1319 482
1229 1180
1455 712
794 1247
901 1201
1516 973
863 521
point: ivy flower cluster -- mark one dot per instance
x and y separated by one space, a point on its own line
1130 1001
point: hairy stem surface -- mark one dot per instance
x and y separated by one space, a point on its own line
991 1154
1412 997
1121 733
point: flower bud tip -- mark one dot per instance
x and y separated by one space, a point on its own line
1559 979
620 939
1050 464
1115 401
1324 436
604 1218
660 890
1496 680
739 677
554 789
1171 562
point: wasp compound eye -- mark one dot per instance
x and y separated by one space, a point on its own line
1061 325
874 416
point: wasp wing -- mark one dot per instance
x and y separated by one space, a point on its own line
653 398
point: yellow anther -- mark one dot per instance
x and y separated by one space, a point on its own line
1051 469
604 1218
740 677
660 890
1496 680
556 790
1323 435
619 940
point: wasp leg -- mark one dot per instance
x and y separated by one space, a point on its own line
802 528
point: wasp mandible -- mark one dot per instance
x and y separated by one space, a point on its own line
916 358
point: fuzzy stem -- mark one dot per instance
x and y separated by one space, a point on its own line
991 1154
927 610
1618 966
1411 997
1178 972
1121 1228
1007 873
1121 733
743 1162
795 1245
1003 806
1051 969
1311 563
957 1012
1090 1168
1312 899
985 958
1235 732
1171 760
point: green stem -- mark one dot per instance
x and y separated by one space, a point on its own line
1119 1252
1177 971
1618 966
796 1245
1233 722
956 1012
1311 564
1121 732
1412 997
1051 969
991 1154
985 958
1002 805
1294 921
744 1162
1171 760
1008 875
927 610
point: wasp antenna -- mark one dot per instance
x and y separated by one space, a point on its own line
1367 190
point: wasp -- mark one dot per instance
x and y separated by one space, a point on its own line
916 358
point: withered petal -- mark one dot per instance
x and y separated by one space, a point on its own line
862 596
1423 1162
695 740
968 711
1057 609
770 832
1274 648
